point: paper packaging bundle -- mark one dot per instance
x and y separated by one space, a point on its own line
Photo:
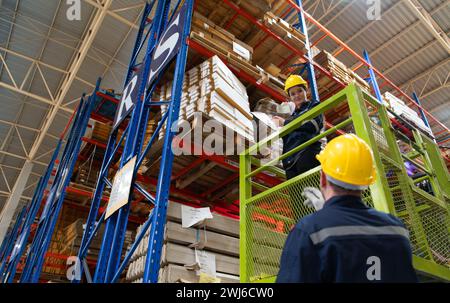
211 88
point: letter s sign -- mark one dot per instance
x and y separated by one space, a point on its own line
168 46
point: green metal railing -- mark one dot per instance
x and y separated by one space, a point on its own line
268 214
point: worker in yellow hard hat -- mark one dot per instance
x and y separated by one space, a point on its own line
345 240
302 161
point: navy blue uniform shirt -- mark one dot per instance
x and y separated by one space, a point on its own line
308 130
347 241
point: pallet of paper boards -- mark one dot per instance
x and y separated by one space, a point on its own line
339 70
211 88
218 236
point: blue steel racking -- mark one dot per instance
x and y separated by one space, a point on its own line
109 265
47 221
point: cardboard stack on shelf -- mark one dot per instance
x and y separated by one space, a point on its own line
339 70
226 45
212 89
207 251
72 236
285 31
55 260
401 109
223 39
55 263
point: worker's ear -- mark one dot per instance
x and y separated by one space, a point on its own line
323 180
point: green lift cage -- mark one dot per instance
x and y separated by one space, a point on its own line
421 201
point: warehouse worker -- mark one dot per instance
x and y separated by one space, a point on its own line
305 159
346 241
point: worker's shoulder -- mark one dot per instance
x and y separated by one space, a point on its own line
333 217
388 219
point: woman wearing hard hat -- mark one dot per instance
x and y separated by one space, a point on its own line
304 160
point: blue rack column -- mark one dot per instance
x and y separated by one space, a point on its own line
373 78
92 225
158 221
113 237
422 114
35 204
309 64
10 240
39 247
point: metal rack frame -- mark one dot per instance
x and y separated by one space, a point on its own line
109 264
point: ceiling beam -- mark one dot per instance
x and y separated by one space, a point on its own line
73 70
26 127
426 73
39 62
438 88
18 168
368 25
21 157
113 14
76 39
409 57
31 95
429 23
440 107
330 20
400 34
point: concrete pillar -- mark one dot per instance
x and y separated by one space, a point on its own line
13 201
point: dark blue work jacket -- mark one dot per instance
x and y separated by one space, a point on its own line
305 132
347 241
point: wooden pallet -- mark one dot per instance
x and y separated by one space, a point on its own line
217 236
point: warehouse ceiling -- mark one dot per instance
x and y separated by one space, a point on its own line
48 61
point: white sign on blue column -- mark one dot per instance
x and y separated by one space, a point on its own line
168 46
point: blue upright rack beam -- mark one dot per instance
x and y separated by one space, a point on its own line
309 64
91 225
10 268
9 241
109 263
49 217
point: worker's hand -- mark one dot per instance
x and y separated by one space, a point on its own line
313 197
278 120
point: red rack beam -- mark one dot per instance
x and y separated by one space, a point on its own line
207 53
363 62
231 21
221 185
188 168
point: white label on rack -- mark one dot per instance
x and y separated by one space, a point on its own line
120 191
284 23
207 262
191 216
240 50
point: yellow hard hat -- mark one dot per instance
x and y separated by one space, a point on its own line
348 162
294 80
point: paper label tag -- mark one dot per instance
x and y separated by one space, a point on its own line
240 50
207 262
191 216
